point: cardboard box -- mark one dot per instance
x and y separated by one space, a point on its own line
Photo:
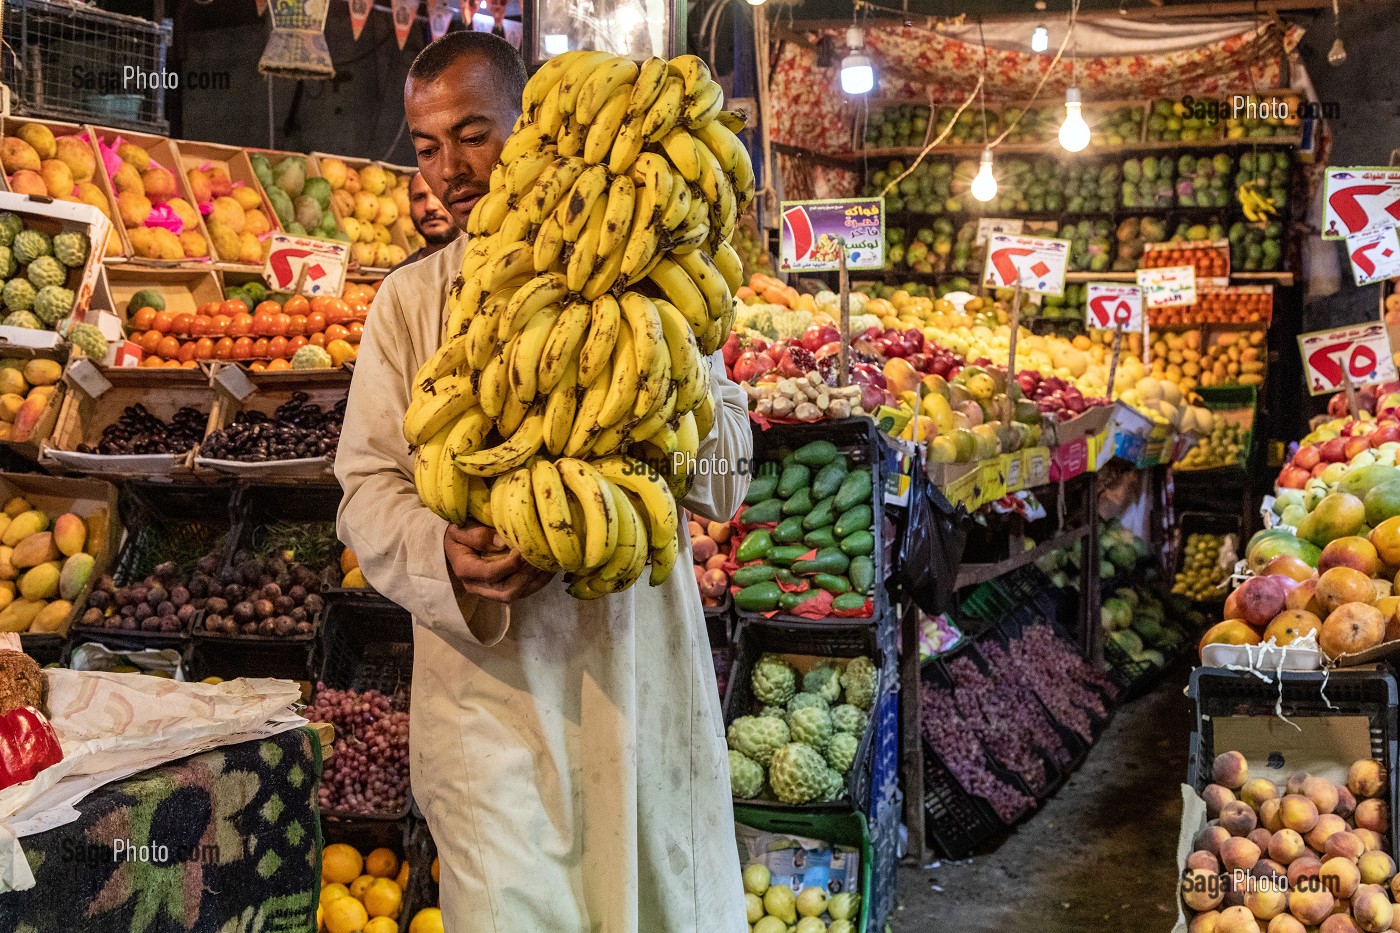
275 156
237 391
163 153
396 236
55 217
30 447
9 126
234 161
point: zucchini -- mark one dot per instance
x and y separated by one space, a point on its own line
821 514
789 530
796 598
856 518
760 597
832 583
762 488
794 477
799 503
855 489
769 510
754 573
757 545
816 453
784 555
848 602
829 477
828 560
820 537
862 573
858 543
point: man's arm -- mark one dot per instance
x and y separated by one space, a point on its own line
398 541
719 489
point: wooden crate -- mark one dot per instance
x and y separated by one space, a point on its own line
274 156
237 391
163 153
396 236
9 126
234 161
30 448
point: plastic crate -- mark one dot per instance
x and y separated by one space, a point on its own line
231 657
937 672
1343 692
845 828
308 504
756 638
365 836
172 523
885 821
1134 678
422 890
1013 627
958 824
1215 523
366 645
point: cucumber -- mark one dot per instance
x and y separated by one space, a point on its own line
789 530
760 597
823 513
817 453
832 583
754 573
855 489
762 488
757 544
858 543
794 477
796 598
862 573
829 477
856 518
848 602
799 504
820 537
828 560
769 510
784 555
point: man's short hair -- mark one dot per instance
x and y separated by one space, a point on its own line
504 60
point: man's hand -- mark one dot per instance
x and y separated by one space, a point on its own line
488 567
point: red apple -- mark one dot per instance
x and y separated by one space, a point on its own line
1307 457
1320 469
1334 451
1385 434
1292 477
1355 445
1259 599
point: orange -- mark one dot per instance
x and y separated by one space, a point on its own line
401 879
360 885
348 562
279 365
383 898
382 863
427 920
382 925
345 915
341 863
330 892
297 304
233 307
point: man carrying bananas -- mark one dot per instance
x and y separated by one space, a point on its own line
568 754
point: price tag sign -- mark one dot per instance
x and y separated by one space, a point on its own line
813 232
1035 263
306 264
1111 306
1374 255
1363 349
986 226
1358 199
1168 287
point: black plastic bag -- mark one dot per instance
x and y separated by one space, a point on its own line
931 548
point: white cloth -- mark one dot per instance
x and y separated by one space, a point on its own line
569 755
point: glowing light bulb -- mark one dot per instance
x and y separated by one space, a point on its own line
1074 132
1040 39
984 186
756 2
857 71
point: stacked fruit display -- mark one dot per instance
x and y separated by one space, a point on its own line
153 205
1119 126
368 772
1262 183
1210 260
1136 621
1090 245
1204 180
1120 551
1176 357
776 908
298 429
599 278
1202 571
1226 445
1234 358
967 127
1237 305
45 565
1172 121
370 203
808 537
300 200
901 125
360 893
267 596
1132 236
1162 401
805 730
1336 448
1148 182
37 269
1291 858
1089 188
1031 125
234 214
63 167
26 389
709 551
137 431
1280 119
1257 247
351 576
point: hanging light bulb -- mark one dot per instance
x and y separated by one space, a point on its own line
1040 39
857 72
984 186
756 2
1074 132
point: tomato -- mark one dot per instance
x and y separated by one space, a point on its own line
281 324
358 310
233 306
169 348
219 325
186 352
152 361
295 344
268 307
318 339
277 347
241 325
184 323
199 326
149 341
319 303
243 348
356 329
297 304
260 348
335 313
336 332
189 364
223 348
208 309
262 324
277 366
143 319
315 322
296 325
164 321
204 349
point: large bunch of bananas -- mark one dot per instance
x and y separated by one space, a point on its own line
572 387
1255 205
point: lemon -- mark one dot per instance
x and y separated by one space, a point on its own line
345 915
330 892
383 898
427 920
381 925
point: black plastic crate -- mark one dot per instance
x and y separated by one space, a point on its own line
366 645
229 658
1134 678
260 508
172 523
758 637
857 439
365 836
422 890
1215 523
1341 692
958 824
1013 627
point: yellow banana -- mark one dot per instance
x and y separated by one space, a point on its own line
642 481
546 79
481 333
534 296
645 240
730 267
665 112
718 191
594 498
448 357
597 349
663 559
627 146
656 420
517 226
651 170
680 149
548 117
454 489
571 85
603 132
631 541
529 139
604 278
705 416
478 253
512 261
586 426
573 211
583 261
703 105
552 504
559 411
617 217
680 289
733 120
721 142
701 269
653 361
478 499
494 385
743 181
604 84
651 78
571 139
562 346
549 244
554 182
626 380
469 430
529 348
426 468
522 527
692 71
688 240
521 175
435 405
687 440
490 210
684 353
513 411
678 208
611 439
521 446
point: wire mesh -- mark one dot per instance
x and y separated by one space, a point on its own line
78 63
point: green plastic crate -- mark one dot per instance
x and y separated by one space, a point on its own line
845 828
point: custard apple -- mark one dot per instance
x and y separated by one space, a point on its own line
53 303
7 263
745 776
777 712
18 295
311 357
29 245
10 226
841 752
804 700
22 319
774 680
71 248
89 339
846 718
860 681
758 737
833 785
823 680
797 773
811 726
45 271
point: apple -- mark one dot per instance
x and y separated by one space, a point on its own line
1307 457
1292 477
1334 450
1355 445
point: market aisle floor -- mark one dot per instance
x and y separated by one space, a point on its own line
1100 855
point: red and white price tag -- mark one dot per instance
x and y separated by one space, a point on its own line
1168 286
1359 199
1037 264
1363 349
1111 306
1374 255
319 265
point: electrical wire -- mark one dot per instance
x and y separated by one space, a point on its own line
939 139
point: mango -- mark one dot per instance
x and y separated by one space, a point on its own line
24 525
29 415
17 616
40 137
12 382
77 571
40 582
7 593
53 618
70 534
34 550
1361 481
8 570
1338 515
42 372
10 404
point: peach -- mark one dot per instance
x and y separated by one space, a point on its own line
1203 859
1286 846
1298 813
1286 923
1310 901
1339 923
1342 585
1375 866
1343 845
1237 920
1327 824
1303 868
1290 625
1204 923
1215 797
1346 802
1294 785
1239 852
1322 792
1270 815
1366 778
1266 902
1268 869
1339 875
1372 814
1351 629
1372 909
1239 818
1371 838
1201 889
1210 838
1261 837
1257 790
1395 887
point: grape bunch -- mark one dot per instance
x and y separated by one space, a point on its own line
368 771
962 754
1070 689
138 431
